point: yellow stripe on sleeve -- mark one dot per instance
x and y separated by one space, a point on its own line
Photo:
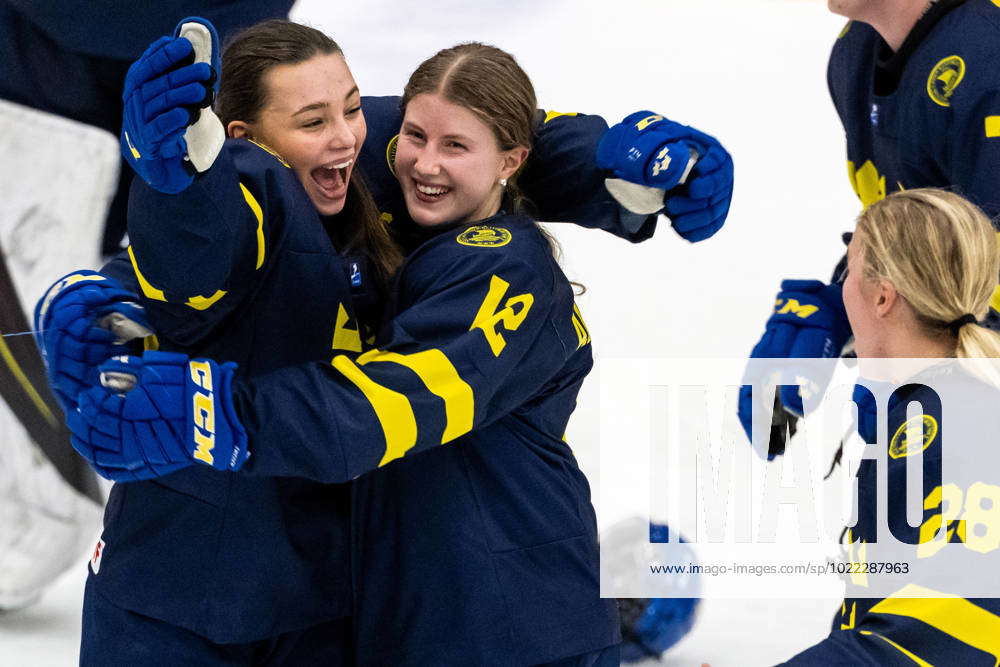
259 214
147 289
549 115
441 378
995 299
915 658
951 614
26 385
992 126
205 302
393 410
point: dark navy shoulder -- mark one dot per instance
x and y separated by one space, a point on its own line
959 58
376 162
854 39
501 239
122 30
249 156
509 246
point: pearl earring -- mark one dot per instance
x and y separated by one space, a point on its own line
503 182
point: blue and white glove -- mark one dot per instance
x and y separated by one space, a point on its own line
169 131
656 162
80 321
809 321
156 414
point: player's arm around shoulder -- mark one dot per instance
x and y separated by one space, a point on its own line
471 340
198 254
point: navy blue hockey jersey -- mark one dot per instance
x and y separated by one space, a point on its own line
929 115
905 628
474 539
239 267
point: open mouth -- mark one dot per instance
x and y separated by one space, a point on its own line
332 178
430 193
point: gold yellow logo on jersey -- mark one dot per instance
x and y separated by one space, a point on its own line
484 236
390 153
944 79
900 445
491 316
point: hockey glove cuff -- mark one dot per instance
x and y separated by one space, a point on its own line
83 319
158 413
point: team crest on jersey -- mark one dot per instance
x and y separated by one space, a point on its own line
390 153
944 79
484 236
900 445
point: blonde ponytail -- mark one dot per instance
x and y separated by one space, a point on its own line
941 253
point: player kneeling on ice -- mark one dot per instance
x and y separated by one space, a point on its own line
921 267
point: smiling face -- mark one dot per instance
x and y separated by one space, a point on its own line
449 164
313 120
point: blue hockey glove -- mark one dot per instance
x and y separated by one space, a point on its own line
650 156
169 132
809 321
649 626
83 319
158 413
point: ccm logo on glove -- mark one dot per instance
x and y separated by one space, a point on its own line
204 412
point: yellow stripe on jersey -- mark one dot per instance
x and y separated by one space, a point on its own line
29 389
992 126
909 654
849 625
582 335
204 302
549 115
441 378
393 410
995 299
868 184
259 214
148 290
345 338
951 614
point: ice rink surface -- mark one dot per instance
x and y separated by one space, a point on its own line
752 72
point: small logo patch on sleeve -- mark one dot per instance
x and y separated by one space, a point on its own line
95 559
484 236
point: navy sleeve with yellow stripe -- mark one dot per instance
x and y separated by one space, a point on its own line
478 331
199 255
